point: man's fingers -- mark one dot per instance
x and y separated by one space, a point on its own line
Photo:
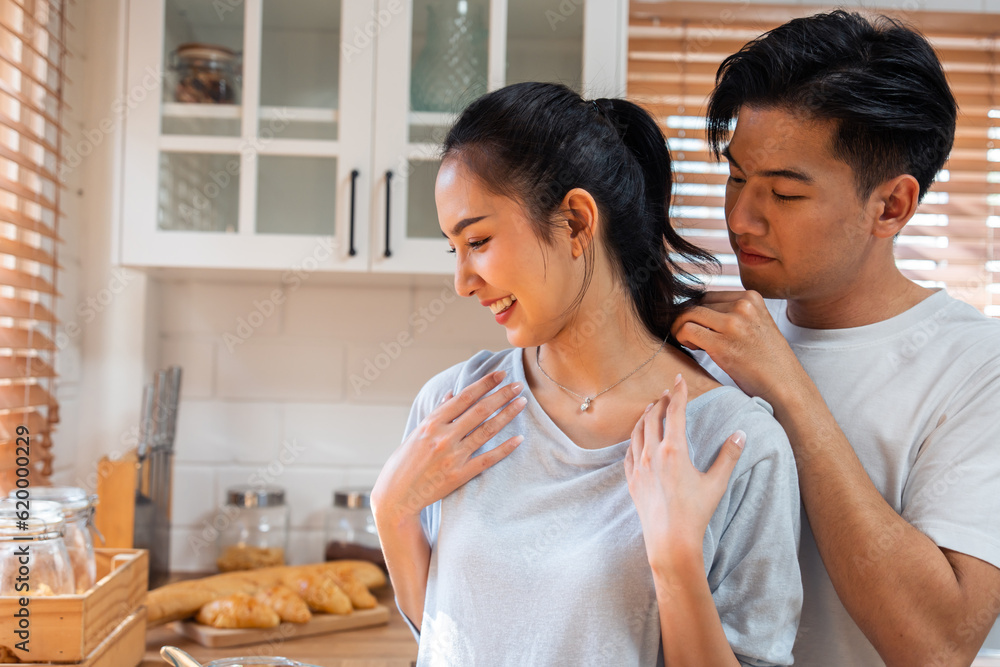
725 462
722 296
694 336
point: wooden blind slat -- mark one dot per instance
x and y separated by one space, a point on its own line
28 223
22 367
24 280
25 251
24 339
9 422
17 396
25 310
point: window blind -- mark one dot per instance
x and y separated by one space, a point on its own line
674 51
32 67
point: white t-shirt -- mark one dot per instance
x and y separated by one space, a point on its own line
918 397
540 560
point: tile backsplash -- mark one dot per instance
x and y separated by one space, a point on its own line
308 389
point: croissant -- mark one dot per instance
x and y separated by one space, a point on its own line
321 593
238 611
360 596
286 602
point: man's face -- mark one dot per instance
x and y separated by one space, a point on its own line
795 221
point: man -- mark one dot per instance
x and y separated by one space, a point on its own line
889 392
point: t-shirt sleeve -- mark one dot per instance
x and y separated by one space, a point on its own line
754 573
950 494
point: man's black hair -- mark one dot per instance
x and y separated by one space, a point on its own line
878 80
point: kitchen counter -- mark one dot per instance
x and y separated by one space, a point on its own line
389 645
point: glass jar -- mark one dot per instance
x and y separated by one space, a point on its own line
350 527
78 514
256 531
33 557
205 74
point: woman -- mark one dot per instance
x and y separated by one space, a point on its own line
557 518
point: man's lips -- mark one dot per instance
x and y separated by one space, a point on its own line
751 258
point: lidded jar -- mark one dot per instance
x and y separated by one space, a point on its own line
78 513
205 74
256 521
350 527
33 557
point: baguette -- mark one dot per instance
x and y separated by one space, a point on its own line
238 611
174 602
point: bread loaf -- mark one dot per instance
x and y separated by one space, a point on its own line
174 602
238 611
290 607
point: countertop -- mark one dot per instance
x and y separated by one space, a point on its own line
389 645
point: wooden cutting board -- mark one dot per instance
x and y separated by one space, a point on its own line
320 623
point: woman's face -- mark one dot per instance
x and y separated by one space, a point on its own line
527 285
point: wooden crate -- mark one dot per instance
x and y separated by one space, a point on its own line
124 647
71 628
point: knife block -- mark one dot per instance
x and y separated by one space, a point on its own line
125 521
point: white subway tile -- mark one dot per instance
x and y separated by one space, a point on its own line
352 313
305 546
193 493
280 370
343 434
362 477
192 550
197 360
394 372
225 431
243 311
442 317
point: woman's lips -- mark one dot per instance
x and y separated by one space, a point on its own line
504 315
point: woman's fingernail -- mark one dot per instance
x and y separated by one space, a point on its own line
666 392
677 380
521 400
517 387
499 375
739 439
647 408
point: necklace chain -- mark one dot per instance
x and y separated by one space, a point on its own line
587 400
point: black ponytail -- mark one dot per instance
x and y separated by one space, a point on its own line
534 142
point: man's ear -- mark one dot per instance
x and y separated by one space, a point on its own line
582 217
897 201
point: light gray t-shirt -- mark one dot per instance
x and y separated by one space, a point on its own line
918 397
540 560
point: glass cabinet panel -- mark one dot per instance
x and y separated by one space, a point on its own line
203 45
300 69
448 63
545 42
198 192
295 195
421 212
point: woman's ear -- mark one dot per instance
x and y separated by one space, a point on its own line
582 217
897 198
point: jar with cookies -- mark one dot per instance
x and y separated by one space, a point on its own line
256 530
35 527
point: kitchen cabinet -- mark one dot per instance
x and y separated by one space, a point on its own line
325 158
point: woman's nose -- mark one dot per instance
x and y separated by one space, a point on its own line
467 281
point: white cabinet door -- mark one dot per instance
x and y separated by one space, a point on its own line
272 179
436 56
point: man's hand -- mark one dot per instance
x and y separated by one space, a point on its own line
736 330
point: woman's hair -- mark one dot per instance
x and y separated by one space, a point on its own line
534 142
878 80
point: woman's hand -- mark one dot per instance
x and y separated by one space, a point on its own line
436 458
675 501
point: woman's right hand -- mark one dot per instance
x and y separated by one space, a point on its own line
436 457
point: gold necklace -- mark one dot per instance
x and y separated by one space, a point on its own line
587 400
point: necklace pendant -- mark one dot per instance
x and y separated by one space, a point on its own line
585 404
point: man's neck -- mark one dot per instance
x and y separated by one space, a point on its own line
863 303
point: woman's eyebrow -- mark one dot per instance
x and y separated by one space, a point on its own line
462 224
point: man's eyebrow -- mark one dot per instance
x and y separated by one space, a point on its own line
462 224
792 174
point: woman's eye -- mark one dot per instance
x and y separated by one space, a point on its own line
451 250
478 243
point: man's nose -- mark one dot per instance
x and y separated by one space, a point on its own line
743 212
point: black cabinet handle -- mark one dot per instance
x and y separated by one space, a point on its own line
354 181
388 192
